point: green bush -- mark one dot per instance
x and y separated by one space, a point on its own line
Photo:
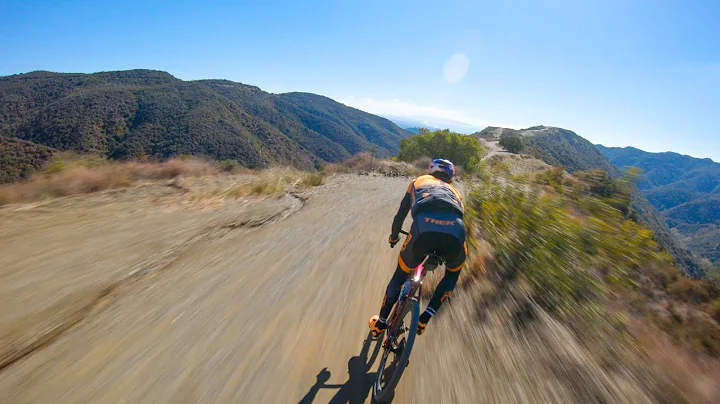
64 160
462 150
513 144
20 159
55 166
313 179
567 249
715 308
230 166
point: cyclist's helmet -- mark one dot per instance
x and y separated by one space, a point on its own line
443 166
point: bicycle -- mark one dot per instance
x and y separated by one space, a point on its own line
399 334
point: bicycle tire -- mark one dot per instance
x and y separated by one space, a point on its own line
385 394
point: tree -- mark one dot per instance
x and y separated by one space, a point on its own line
462 150
373 153
513 144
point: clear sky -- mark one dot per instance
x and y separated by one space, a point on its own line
617 72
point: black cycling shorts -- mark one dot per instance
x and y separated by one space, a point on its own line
440 233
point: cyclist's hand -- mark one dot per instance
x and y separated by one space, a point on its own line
393 239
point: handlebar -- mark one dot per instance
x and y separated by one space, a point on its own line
404 232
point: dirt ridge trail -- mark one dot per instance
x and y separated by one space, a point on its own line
493 148
277 314
55 272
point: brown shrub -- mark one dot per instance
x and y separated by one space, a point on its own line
689 290
80 180
64 179
171 169
357 163
276 181
423 163
476 264
687 376
364 163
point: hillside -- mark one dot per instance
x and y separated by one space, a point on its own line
20 158
684 189
556 146
562 147
126 114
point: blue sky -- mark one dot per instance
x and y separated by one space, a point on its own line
640 73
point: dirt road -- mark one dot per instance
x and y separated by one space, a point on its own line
268 314
493 148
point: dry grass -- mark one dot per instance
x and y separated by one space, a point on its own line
63 179
72 174
313 179
692 374
364 163
276 181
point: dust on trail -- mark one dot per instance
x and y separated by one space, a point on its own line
271 314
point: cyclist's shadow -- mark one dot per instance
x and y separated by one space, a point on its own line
359 384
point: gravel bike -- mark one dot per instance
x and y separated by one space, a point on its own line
398 338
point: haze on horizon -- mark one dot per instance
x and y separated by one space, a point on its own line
619 73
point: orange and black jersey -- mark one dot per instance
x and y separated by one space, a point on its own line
427 193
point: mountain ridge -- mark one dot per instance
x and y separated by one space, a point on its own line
667 152
125 114
685 189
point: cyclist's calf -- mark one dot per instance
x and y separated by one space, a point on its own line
392 293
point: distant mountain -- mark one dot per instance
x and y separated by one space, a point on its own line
556 146
125 114
686 191
417 122
562 147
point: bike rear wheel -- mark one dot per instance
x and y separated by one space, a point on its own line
395 358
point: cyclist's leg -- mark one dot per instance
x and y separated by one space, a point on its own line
407 261
455 252
392 292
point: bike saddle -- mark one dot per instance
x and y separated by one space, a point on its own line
433 261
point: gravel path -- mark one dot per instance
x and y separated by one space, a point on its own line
273 313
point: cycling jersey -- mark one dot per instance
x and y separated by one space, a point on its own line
428 194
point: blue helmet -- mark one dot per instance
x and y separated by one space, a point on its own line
444 166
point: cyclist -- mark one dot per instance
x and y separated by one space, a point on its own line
437 211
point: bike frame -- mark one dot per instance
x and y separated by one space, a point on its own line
414 291
393 342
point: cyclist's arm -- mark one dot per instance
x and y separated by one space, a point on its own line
402 213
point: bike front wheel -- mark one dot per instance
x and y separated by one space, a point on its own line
396 356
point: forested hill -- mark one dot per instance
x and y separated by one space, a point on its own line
562 147
684 189
126 114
